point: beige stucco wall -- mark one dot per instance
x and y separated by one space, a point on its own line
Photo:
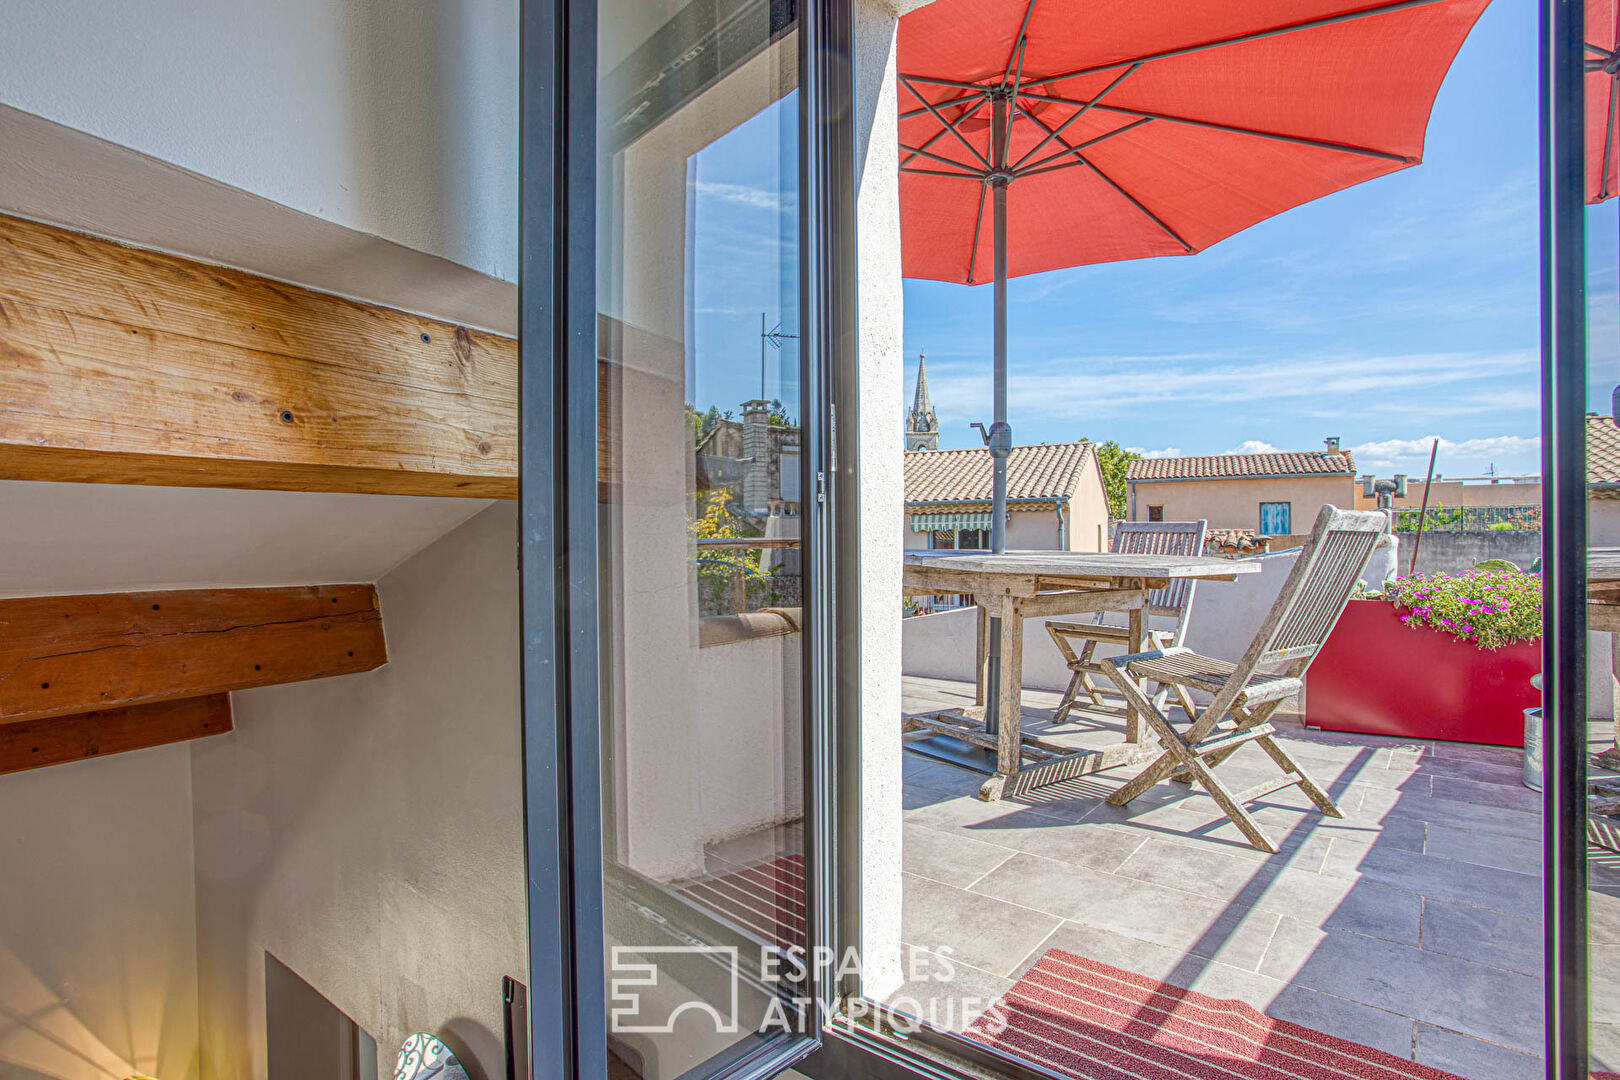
368 830
98 973
1235 504
1457 493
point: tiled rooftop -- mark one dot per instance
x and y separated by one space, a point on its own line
1047 471
1602 450
1226 466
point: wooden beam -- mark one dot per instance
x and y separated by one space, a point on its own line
34 744
121 365
61 655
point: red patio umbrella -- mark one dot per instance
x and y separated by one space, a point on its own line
1038 134
1602 99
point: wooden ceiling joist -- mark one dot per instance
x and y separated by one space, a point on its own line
121 365
64 655
34 744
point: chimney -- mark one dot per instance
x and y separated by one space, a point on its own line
756 486
1332 443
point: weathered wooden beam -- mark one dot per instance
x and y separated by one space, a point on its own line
34 744
71 654
121 365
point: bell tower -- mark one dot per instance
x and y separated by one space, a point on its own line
922 426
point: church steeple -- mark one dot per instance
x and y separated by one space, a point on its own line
922 426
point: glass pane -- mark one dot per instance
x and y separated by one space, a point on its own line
699 521
1339 859
1603 534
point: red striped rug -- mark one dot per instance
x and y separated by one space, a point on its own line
765 898
1092 1021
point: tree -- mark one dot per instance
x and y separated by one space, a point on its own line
1112 461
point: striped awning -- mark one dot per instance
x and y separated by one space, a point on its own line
961 519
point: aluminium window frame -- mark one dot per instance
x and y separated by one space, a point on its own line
559 572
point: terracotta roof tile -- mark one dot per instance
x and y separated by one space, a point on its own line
1222 466
1602 450
1048 471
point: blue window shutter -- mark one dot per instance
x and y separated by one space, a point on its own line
1274 519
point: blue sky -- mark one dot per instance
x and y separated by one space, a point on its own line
1388 314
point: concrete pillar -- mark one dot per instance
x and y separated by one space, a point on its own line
882 438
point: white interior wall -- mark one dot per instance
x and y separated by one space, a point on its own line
393 120
367 830
98 972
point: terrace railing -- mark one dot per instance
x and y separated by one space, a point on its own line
1469 519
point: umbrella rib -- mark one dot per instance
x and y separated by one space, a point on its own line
978 220
964 99
1043 164
948 124
1017 53
916 170
1239 39
1134 201
1077 115
1608 144
930 141
1302 140
920 152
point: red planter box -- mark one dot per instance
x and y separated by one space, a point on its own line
1377 675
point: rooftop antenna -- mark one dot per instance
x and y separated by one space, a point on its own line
772 337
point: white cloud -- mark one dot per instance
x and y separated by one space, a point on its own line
759 198
1169 451
1252 446
1082 390
1475 454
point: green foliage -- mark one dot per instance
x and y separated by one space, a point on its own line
776 415
1490 608
1113 460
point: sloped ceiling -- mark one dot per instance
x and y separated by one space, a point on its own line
89 538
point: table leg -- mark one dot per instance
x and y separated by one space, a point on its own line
981 654
1137 623
1009 737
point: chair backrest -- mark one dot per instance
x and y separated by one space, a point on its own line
1163 538
1319 586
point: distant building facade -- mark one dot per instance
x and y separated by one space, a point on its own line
922 425
1055 499
1275 494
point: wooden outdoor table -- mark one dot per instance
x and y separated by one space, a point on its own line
1022 585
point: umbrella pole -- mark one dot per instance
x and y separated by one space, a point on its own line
1000 437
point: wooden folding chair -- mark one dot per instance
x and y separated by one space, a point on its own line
1173 601
1245 694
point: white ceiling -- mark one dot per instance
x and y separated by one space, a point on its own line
89 538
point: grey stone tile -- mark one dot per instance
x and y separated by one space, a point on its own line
1343 903
1095 844
1487 1003
1224 873
943 991
969 812
1603 1045
1500 755
1447 879
1604 963
1518 798
1603 915
950 857
1479 770
1380 805
1168 917
1485 937
1485 849
1473 1059
1187 970
1377 1028
978 930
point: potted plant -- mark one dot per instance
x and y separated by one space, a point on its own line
1437 656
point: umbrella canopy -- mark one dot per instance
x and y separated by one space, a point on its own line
1138 129
1602 99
